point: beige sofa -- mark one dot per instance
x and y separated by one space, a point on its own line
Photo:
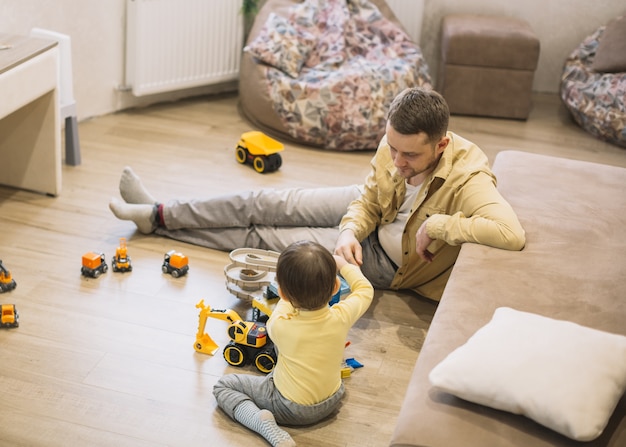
573 268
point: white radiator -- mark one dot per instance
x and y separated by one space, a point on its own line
178 44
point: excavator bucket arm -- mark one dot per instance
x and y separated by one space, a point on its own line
204 343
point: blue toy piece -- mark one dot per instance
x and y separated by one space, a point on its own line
353 363
344 289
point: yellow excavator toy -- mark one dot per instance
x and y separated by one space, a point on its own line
249 341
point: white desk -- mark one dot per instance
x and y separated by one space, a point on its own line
30 137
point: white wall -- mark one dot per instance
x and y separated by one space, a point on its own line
411 14
97 31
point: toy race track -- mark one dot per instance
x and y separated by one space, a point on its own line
250 271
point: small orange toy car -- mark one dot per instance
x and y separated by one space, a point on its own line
94 264
176 264
9 316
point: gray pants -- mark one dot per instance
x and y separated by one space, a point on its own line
272 219
232 389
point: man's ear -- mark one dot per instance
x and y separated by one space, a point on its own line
442 144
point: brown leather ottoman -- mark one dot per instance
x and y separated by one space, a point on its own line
487 65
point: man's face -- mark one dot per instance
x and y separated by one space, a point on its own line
414 154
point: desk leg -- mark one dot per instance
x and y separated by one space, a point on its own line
72 144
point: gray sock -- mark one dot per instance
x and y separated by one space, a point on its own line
132 190
262 422
144 216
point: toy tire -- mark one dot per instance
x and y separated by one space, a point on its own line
265 362
240 154
234 355
175 273
259 165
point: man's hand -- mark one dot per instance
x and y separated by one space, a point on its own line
349 248
422 241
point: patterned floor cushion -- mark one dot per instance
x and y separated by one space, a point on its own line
323 72
593 83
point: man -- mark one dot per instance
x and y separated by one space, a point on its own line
428 191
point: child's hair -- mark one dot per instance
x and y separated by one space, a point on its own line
306 274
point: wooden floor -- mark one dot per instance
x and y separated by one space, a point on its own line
110 361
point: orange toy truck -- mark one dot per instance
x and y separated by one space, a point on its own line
174 263
9 316
121 260
94 264
6 280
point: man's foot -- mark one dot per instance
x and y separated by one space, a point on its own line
132 190
143 215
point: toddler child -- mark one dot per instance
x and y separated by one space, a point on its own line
305 386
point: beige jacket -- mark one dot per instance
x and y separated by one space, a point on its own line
460 201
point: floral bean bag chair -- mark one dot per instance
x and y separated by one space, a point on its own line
593 83
323 72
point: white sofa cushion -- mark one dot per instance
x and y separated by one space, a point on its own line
562 375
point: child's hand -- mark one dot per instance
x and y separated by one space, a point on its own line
340 262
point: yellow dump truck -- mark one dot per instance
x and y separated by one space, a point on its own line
259 150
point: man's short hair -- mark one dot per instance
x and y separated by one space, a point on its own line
416 110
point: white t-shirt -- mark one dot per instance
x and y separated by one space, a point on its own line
390 235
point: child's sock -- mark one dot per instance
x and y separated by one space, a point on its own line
262 422
144 216
132 190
